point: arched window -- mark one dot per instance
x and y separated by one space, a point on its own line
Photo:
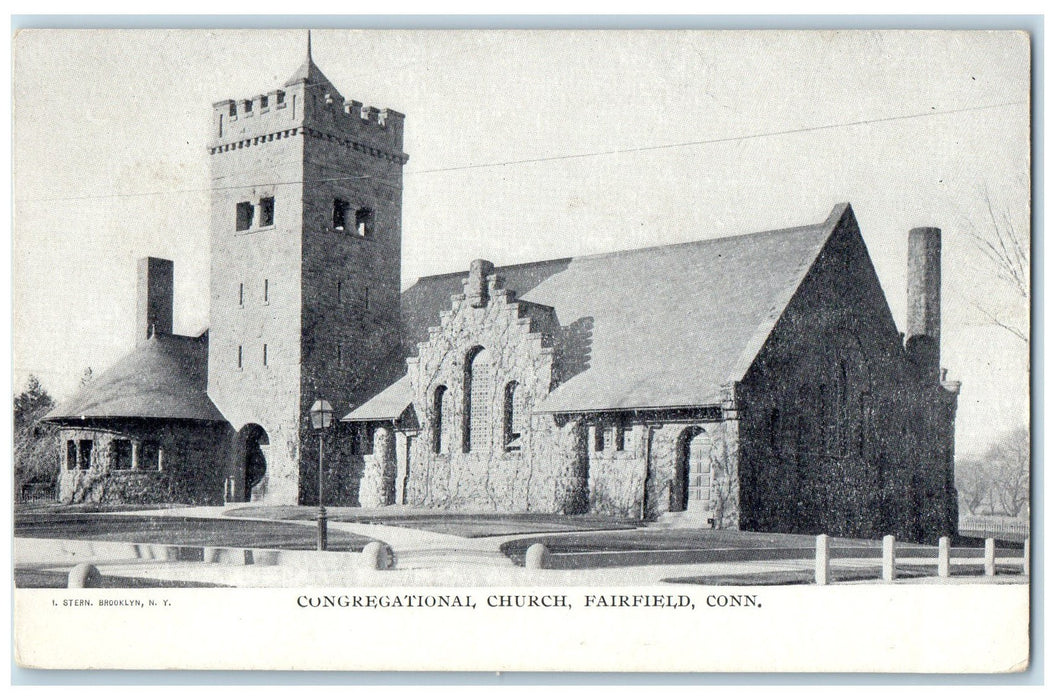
511 425
476 425
438 441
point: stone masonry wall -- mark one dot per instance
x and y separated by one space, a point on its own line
192 457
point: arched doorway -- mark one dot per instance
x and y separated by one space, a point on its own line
255 445
693 475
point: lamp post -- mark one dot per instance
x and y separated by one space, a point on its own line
321 418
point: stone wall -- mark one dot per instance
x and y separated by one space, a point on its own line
838 434
192 459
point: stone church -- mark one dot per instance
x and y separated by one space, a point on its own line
755 382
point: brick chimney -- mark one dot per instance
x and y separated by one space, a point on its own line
924 302
153 298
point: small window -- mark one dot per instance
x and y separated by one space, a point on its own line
267 291
598 438
241 294
265 354
340 214
239 357
622 432
71 455
243 216
267 211
232 110
280 98
364 222
150 456
121 455
247 105
84 455
263 101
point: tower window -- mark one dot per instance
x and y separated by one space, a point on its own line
267 292
263 101
247 105
267 211
280 98
233 110
243 216
340 214
339 292
239 357
366 298
340 355
241 294
265 354
364 222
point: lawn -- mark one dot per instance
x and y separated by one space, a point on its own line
462 524
179 531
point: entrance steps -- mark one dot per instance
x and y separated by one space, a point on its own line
685 520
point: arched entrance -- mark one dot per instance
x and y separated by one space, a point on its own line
693 475
255 445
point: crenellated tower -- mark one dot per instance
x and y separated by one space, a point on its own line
305 279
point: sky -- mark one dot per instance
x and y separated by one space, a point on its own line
534 145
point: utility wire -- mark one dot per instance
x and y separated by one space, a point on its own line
546 159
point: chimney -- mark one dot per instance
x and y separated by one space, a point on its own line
924 302
476 286
153 298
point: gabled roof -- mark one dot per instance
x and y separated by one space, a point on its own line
670 325
164 377
389 404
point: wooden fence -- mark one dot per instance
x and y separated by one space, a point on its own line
999 528
944 564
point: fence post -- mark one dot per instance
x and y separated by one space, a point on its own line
889 557
822 563
1025 557
990 556
943 557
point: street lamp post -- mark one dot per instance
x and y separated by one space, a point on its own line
321 418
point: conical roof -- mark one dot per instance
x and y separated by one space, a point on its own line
164 377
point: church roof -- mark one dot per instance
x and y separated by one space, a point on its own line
670 325
164 377
385 406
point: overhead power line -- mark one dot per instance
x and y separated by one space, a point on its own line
546 159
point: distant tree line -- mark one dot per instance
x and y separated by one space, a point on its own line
36 456
997 483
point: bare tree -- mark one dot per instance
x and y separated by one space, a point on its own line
974 483
1008 462
1006 248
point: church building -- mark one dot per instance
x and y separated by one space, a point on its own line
751 382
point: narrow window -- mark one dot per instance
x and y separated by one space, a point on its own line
121 455
243 216
621 430
267 291
354 443
476 426
267 211
247 105
150 456
364 222
71 455
232 110
280 98
84 455
239 357
241 294
263 101
366 298
265 354
438 397
340 355
510 419
340 214
598 438
340 295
